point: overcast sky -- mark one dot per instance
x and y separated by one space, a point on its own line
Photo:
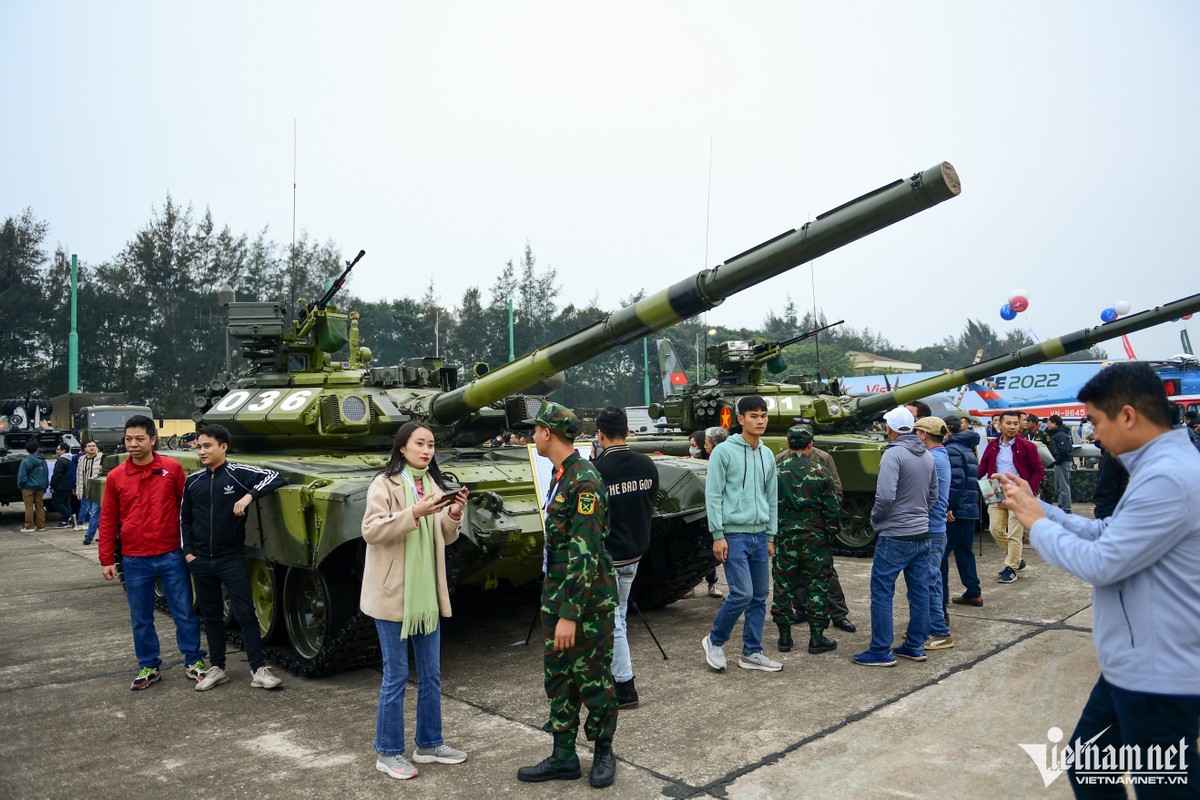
441 137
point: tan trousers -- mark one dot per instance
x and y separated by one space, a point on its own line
1007 533
35 507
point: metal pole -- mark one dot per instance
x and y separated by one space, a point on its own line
73 338
512 356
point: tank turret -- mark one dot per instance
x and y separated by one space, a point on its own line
309 403
843 424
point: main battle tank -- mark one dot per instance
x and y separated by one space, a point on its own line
327 423
844 424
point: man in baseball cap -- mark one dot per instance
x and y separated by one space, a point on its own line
931 431
904 493
900 420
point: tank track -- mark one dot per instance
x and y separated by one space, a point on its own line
677 560
355 645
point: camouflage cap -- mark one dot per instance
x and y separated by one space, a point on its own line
558 419
799 436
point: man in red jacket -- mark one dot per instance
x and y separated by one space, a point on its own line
1010 452
141 509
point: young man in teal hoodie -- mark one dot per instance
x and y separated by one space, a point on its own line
741 496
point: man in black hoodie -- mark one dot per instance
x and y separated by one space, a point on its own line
212 525
632 482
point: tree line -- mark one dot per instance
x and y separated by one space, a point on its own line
149 324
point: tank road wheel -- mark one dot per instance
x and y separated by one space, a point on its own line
315 607
856 537
264 593
680 555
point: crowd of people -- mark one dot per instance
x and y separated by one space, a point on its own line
772 520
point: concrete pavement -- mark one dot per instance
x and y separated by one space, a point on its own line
824 727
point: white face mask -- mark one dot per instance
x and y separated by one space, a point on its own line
694 452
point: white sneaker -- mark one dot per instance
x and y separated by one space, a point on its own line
81 527
713 591
442 754
396 767
213 677
714 655
759 661
27 530
263 679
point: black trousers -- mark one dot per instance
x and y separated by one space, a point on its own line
209 574
1143 720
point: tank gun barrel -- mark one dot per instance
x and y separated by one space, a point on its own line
1027 356
709 288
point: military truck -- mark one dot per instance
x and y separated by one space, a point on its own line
98 417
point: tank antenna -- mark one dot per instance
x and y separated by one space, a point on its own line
701 376
292 269
812 275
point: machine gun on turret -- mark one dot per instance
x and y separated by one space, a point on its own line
741 363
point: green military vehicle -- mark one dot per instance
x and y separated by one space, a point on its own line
326 422
843 424
96 416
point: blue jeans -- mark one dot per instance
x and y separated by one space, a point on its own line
140 574
622 666
209 574
389 721
1119 717
748 572
937 605
960 540
891 558
89 512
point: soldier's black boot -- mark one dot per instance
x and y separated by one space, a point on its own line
785 637
562 765
604 765
821 644
627 696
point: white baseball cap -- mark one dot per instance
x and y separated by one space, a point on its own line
899 419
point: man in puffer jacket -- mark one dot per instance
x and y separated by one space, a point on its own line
962 518
1061 445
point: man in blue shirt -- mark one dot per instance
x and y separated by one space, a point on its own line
1143 564
931 431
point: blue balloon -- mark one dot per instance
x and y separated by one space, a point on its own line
1108 315
1006 312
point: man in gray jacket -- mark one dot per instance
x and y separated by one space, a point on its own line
906 490
1142 563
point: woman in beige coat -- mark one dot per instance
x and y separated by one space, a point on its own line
409 521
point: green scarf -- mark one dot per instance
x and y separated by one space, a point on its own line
421 610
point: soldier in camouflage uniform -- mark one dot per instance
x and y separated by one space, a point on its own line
1032 430
579 599
809 519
